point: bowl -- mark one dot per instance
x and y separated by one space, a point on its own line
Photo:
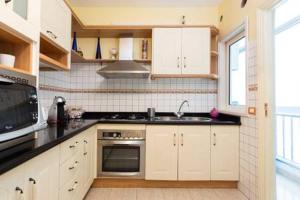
7 60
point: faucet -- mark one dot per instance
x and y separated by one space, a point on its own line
179 114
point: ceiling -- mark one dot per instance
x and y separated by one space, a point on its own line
145 2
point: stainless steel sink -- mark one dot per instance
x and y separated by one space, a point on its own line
173 118
205 119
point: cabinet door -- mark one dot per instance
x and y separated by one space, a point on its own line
194 153
166 55
196 50
225 153
10 181
42 176
161 152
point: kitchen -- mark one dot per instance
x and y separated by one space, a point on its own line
139 100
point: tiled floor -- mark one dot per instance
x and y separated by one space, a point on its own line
163 194
286 189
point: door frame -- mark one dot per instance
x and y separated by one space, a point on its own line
266 101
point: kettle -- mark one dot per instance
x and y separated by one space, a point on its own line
56 113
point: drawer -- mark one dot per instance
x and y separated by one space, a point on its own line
70 190
69 149
70 169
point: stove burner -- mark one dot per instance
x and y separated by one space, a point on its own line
124 117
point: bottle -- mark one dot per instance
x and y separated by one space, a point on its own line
74 45
98 50
145 49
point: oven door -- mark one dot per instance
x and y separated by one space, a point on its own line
121 158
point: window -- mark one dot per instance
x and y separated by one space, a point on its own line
233 69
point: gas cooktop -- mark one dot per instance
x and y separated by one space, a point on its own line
123 117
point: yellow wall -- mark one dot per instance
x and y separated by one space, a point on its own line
147 15
233 15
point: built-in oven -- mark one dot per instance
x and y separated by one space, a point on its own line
18 106
121 153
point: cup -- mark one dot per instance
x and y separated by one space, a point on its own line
151 113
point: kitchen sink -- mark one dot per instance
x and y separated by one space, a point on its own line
173 118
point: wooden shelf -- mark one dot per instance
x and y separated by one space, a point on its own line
209 76
15 69
76 58
21 48
49 64
52 56
146 61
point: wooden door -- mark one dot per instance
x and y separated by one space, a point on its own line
194 153
196 51
161 152
225 153
166 55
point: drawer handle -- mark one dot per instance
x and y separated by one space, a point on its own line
178 62
32 181
19 190
52 34
181 139
174 139
85 153
85 141
72 146
71 168
184 62
74 187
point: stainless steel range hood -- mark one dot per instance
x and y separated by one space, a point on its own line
125 67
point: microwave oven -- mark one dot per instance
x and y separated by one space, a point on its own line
19 107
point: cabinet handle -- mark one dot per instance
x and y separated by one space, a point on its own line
178 62
215 139
19 190
72 146
52 34
85 141
174 139
85 153
184 62
181 139
7 1
74 187
32 181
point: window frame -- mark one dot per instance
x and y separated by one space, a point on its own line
224 70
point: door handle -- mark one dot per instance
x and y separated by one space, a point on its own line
181 139
174 139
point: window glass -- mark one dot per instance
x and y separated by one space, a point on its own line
237 72
286 10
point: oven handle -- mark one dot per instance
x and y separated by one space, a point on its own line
114 142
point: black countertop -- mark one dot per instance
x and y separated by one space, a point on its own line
54 135
47 139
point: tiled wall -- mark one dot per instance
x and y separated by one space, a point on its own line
83 87
249 135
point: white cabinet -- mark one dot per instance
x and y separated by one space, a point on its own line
196 51
161 152
181 51
166 51
192 153
193 156
178 153
56 22
12 184
42 176
225 153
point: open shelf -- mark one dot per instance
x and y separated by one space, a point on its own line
14 69
21 48
76 58
52 57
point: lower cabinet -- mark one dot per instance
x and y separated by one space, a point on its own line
46 177
192 153
225 153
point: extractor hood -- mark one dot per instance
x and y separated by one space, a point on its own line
125 67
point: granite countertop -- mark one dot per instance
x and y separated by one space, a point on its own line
54 135
47 139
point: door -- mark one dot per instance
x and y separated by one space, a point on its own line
161 152
42 176
166 51
12 184
225 153
194 153
196 51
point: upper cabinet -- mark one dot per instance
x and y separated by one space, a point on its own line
182 52
56 22
55 42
